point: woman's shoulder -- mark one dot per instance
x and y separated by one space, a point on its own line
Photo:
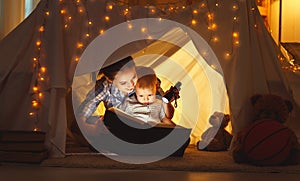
100 83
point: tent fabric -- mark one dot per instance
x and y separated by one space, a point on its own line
249 62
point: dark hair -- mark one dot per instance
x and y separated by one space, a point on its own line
111 70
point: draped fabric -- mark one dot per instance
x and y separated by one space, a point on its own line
234 58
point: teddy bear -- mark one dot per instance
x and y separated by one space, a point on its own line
216 137
266 141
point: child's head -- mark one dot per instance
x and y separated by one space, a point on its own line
146 86
122 74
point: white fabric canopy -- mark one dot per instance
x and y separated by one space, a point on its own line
248 62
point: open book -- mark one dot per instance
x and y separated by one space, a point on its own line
115 113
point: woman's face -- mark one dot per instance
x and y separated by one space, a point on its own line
125 80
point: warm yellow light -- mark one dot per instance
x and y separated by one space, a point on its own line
110 7
35 88
152 11
31 113
149 37
34 103
213 66
35 129
210 16
80 10
90 22
143 29
76 59
43 69
79 45
194 22
66 26
101 31
40 95
203 5
106 18
87 35
78 1
35 59
195 11
227 55
235 34
236 42
62 11
217 4
215 39
38 42
129 26
70 17
213 26
42 79
47 13
235 18
41 29
126 11
234 7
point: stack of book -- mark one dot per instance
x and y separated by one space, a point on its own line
22 146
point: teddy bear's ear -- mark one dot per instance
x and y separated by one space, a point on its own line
255 98
289 105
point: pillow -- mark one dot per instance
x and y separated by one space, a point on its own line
293 49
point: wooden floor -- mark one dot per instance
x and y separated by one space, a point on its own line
33 173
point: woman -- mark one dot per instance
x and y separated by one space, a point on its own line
117 81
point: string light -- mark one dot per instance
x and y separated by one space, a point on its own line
86 36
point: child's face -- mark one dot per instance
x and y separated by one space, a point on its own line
145 95
125 80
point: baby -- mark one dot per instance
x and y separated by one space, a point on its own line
144 104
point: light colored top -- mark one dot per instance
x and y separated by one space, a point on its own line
150 113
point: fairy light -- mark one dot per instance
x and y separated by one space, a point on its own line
38 43
76 59
203 5
215 39
143 29
62 11
129 25
194 22
213 66
35 88
235 34
79 45
101 31
106 18
125 12
41 29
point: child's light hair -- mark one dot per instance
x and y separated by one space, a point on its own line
146 78
147 82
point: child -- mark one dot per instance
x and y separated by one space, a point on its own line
144 104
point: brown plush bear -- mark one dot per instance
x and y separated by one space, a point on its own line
216 138
266 141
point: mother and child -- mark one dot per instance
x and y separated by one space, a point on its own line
130 88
